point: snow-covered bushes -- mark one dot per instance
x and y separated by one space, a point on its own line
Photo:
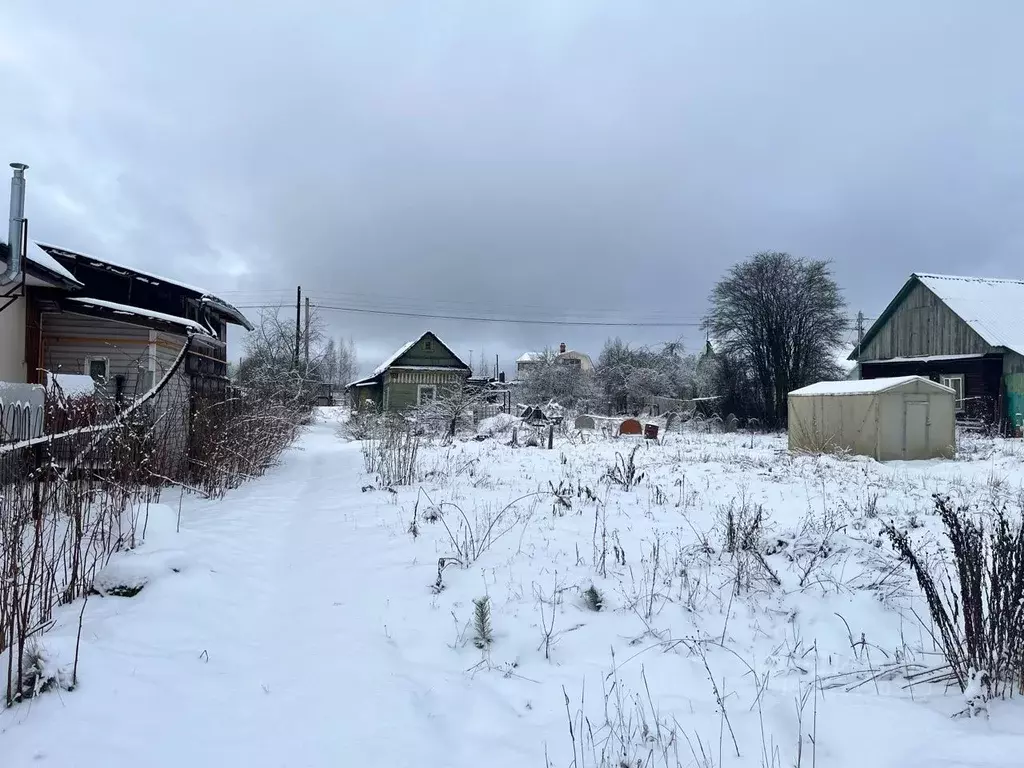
495 426
975 601
391 452
360 422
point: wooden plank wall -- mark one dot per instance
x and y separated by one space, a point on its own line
922 325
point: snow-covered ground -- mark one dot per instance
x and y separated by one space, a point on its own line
299 621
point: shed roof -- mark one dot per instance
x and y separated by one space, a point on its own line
862 386
992 307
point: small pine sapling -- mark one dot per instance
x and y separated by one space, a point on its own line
484 635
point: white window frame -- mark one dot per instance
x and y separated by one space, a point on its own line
420 388
946 378
106 367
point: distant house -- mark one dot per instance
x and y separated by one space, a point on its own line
564 356
415 374
964 332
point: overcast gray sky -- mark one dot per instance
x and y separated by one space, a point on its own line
564 159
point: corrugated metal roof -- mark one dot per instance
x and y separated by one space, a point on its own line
992 307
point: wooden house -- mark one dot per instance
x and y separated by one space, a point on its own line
125 327
964 332
414 375
19 317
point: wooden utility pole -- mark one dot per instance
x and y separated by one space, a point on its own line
298 328
306 335
860 332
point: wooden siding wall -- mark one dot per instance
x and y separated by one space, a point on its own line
68 339
424 377
401 394
922 325
982 380
437 355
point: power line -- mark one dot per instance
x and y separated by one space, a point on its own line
510 320
481 319
255 300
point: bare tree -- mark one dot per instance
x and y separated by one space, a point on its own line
451 408
269 363
348 365
331 362
781 318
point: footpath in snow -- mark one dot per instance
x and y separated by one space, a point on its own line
292 624
269 647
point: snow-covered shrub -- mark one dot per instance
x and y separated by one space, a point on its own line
625 472
500 424
742 525
36 672
392 452
361 422
593 599
975 602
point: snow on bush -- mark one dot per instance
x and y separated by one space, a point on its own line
499 424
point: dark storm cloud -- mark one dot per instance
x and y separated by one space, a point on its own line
575 159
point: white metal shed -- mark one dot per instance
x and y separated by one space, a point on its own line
906 417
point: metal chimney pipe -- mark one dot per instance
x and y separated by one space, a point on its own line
15 238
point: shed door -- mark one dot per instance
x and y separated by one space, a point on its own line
915 438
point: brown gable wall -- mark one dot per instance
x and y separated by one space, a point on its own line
920 326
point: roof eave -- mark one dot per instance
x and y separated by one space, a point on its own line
235 315
143 321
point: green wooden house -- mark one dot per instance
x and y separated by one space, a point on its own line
417 373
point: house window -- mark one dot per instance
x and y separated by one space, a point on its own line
425 393
956 383
428 345
98 368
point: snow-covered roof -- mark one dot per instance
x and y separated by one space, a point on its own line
530 357
401 351
992 307
41 258
214 301
391 359
125 309
860 386
48 269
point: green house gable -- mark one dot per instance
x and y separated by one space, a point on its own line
429 351
419 371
